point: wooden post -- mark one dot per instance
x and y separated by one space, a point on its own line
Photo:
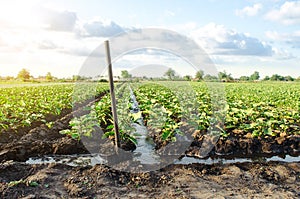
112 95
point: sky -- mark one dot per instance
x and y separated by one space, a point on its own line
238 36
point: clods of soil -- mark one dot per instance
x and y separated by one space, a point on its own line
240 180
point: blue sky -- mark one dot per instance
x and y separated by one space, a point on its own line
239 36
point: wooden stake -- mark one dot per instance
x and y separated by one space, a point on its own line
112 94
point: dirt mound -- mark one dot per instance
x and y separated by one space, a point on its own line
249 147
41 140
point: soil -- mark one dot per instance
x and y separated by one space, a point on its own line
240 180
55 180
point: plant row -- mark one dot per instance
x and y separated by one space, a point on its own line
21 106
251 110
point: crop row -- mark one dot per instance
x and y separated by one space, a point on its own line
100 116
251 110
161 110
21 106
263 109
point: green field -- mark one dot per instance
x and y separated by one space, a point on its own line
248 109
253 109
21 105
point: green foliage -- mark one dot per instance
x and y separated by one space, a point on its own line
49 77
199 75
210 78
160 109
21 106
82 126
100 116
170 73
254 76
244 78
223 76
125 74
23 75
263 109
21 181
33 184
16 182
259 109
187 78
277 77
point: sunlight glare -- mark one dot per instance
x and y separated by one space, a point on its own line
18 13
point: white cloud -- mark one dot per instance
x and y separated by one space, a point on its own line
292 39
273 35
68 44
287 14
99 28
57 20
169 13
137 61
249 10
282 54
47 45
64 21
216 39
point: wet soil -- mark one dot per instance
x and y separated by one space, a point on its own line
239 180
248 147
201 144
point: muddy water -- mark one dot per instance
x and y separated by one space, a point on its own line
95 159
190 160
70 160
144 152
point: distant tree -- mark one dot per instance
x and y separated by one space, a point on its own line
78 78
223 76
244 78
23 75
277 77
170 73
289 78
267 78
199 75
125 74
49 77
187 78
9 78
177 78
254 76
210 78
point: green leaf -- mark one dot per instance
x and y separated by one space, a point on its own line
166 134
33 184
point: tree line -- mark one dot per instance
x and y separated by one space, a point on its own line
170 74
227 77
25 76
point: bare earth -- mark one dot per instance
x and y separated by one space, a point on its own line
240 180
